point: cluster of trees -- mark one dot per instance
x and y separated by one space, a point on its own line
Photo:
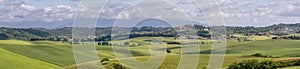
104 34
288 37
239 39
263 56
106 43
106 61
50 39
265 64
31 34
150 32
242 39
6 36
273 30
22 34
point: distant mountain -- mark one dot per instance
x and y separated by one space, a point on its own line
27 33
32 24
24 34
277 29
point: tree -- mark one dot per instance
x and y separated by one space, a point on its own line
52 38
99 43
118 66
4 37
65 39
105 43
246 64
104 61
126 43
204 34
265 64
274 37
202 42
168 51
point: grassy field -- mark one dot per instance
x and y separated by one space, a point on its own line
254 37
260 37
15 42
10 60
285 48
61 54
294 67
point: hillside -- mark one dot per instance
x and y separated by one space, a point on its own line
23 34
277 29
62 55
10 60
104 33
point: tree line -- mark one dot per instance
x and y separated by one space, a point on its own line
104 34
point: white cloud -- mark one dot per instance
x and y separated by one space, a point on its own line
259 12
27 7
1 1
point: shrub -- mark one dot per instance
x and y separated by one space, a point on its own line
168 51
266 64
252 64
118 66
257 55
263 56
104 60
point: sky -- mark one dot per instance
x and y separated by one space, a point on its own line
53 13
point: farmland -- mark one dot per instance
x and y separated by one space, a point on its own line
10 60
58 54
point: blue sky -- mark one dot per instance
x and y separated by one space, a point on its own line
234 12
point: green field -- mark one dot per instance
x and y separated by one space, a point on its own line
10 60
294 67
15 42
60 55
49 54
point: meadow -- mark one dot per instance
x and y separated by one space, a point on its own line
55 55
10 60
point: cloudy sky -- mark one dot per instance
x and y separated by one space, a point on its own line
46 13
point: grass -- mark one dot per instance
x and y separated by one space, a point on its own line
10 60
260 37
15 42
283 48
293 67
172 61
48 43
58 55
61 54
254 37
286 48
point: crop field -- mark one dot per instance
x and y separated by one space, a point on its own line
53 55
10 60
61 55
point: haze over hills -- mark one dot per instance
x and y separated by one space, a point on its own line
104 33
